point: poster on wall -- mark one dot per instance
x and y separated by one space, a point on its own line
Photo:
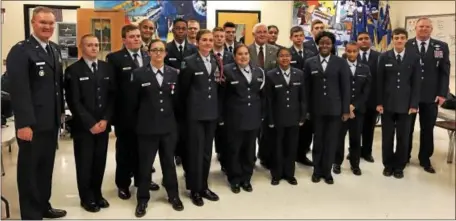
338 16
66 38
162 12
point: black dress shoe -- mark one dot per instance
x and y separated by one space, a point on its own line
176 203
90 207
196 199
356 171
208 194
153 186
235 188
124 194
153 169
102 203
316 178
336 169
369 158
292 181
275 181
429 169
140 210
247 187
178 161
52 213
399 174
387 172
305 161
329 180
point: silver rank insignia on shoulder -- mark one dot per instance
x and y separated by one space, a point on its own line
41 73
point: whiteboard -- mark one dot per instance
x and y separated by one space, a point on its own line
444 30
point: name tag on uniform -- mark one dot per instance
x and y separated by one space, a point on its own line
297 83
388 65
84 79
40 63
106 78
260 79
363 76
278 86
199 73
173 59
234 82
314 72
145 84
293 62
126 68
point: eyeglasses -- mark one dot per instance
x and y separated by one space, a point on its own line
157 50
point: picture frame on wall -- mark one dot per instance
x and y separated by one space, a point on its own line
60 12
244 21
66 35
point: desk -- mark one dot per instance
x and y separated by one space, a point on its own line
449 116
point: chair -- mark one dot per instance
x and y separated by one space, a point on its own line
450 126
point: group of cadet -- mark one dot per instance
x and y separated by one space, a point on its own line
176 98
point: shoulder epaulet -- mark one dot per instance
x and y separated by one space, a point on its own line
21 42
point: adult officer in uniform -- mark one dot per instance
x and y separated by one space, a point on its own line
287 109
329 80
224 58
199 95
360 86
242 111
264 56
124 62
435 71
177 50
90 96
369 57
35 71
398 95
299 54
156 103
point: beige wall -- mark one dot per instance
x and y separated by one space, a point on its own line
13 28
272 12
400 9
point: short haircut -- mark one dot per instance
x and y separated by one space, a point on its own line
87 36
218 29
296 29
128 28
328 34
363 33
423 18
400 31
255 27
273 26
42 9
237 47
315 22
283 49
192 21
144 21
179 20
201 32
353 43
229 24
153 41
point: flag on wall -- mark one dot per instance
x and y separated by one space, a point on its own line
384 32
